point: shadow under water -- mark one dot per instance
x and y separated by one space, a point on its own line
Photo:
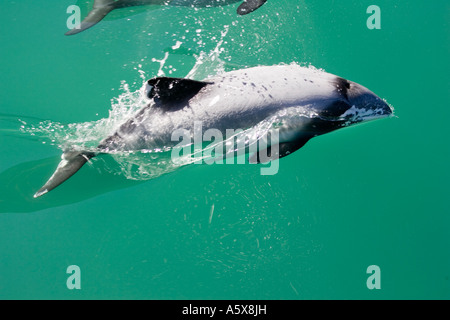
19 183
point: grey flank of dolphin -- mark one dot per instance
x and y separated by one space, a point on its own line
101 8
302 102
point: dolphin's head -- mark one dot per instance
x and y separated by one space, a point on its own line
364 104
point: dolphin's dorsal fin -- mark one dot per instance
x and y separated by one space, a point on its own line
249 6
169 91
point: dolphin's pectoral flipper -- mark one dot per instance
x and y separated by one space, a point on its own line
71 162
284 149
169 91
249 6
100 9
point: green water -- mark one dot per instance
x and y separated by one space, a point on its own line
373 194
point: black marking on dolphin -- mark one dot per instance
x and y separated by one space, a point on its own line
303 102
167 92
102 8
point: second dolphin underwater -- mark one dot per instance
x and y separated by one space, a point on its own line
102 7
301 102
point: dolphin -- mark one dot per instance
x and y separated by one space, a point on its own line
303 102
102 7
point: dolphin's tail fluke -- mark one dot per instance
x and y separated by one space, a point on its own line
100 9
71 162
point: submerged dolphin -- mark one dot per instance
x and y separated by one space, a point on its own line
102 7
304 102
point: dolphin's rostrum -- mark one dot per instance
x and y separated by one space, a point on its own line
304 103
101 8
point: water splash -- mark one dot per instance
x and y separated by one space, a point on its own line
86 136
207 65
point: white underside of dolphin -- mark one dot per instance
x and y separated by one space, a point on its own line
300 102
101 8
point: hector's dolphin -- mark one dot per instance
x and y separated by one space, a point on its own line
301 102
102 7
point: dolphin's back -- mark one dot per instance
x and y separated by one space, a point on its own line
269 87
235 100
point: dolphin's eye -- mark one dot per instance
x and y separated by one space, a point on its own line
344 83
342 86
